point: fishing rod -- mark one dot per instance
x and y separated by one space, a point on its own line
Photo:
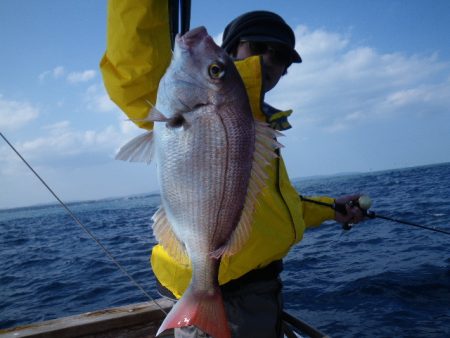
179 18
77 220
364 203
372 214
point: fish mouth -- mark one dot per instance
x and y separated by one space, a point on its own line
192 37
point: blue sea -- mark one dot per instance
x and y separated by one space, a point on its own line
380 279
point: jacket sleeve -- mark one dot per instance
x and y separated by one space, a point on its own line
314 214
137 54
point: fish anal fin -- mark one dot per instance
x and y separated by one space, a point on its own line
167 238
202 309
139 149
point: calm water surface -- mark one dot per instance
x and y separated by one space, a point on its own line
381 279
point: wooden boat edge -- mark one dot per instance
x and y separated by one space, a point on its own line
135 320
140 320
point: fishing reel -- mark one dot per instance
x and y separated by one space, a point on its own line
364 203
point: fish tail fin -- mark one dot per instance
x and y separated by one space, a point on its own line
204 310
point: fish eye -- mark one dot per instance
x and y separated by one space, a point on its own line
216 70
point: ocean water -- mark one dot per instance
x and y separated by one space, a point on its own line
380 279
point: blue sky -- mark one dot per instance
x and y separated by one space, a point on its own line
373 92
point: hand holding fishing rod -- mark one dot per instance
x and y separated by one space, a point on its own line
351 209
346 205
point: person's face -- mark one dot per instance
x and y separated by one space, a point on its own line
275 60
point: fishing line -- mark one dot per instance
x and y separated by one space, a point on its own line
76 219
364 204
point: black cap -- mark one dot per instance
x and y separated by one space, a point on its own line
261 26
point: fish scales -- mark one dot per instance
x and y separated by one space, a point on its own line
204 180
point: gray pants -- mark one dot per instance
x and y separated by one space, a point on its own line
254 311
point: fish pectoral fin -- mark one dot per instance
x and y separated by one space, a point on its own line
166 237
156 116
139 149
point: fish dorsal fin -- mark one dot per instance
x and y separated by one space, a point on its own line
139 149
265 146
167 238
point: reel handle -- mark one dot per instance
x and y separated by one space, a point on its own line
364 202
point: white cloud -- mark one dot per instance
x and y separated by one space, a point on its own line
72 77
60 145
97 99
61 140
339 86
55 73
58 72
44 75
84 76
15 114
319 44
63 146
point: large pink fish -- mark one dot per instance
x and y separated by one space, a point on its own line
210 155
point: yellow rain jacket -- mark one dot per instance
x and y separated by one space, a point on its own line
137 54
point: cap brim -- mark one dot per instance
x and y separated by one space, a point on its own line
264 38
